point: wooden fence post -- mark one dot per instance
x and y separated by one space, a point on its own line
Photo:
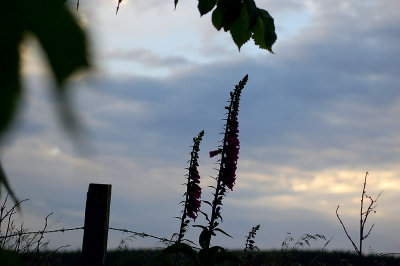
97 214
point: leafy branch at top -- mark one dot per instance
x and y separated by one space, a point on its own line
243 19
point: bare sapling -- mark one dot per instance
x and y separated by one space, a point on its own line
364 214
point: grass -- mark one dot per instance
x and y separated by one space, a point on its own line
272 257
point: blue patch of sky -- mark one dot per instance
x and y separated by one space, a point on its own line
291 23
185 40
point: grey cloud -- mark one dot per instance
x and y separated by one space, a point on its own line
146 58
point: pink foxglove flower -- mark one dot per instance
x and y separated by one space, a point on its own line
192 195
193 191
229 151
193 202
231 144
214 153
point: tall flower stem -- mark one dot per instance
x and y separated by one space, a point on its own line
191 205
193 191
228 162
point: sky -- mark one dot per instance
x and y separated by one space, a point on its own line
314 118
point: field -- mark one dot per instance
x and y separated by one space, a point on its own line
293 257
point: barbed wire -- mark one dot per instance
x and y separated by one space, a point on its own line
42 232
142 235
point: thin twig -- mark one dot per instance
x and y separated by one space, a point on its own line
363 219
345 230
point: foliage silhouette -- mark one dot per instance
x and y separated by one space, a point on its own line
243 19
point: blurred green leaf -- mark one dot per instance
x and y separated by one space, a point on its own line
10 90
60 35
240 28
63 41
4 182
206 6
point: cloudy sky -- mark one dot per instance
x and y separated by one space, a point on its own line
314 117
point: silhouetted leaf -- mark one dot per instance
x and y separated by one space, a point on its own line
243 19
258 34
231 11
264 31
205 215
222 231
240 28
207 202
217 17
204 235
252 12
200 226
206 6
215 251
